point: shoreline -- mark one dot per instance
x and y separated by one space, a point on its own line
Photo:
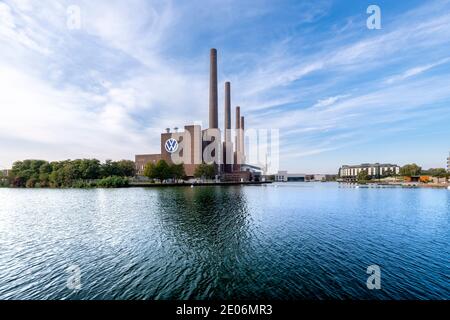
398 184
151 185
197 184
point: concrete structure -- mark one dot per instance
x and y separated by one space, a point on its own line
238 154
228 156
374 170
195 146
213 99
284 176
242 139
324 177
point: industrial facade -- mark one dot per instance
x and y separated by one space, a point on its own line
195 145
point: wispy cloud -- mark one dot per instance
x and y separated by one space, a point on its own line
416 71
330 100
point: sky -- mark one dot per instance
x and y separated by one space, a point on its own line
337 91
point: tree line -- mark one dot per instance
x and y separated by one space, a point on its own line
163 171
91 173
80 173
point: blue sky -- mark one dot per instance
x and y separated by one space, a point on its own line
338 92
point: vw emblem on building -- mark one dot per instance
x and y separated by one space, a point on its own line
171 145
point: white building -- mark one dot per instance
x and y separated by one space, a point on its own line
284 176
374 170
448 164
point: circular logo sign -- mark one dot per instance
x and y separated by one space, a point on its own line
171 145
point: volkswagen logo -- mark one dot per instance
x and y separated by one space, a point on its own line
171 145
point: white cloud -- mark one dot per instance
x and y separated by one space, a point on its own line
416 71
330 100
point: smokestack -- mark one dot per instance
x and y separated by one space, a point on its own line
227 121
242 136
213 100
238 126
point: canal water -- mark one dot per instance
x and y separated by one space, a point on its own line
282 241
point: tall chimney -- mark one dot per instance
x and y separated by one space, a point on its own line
213 100
242 144
227 121
238 126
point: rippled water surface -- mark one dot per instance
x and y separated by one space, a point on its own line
291 241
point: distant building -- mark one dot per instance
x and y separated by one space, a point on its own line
374 170
142 159
448 164
324 177
284 176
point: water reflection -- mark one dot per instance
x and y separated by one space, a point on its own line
210 228
291 242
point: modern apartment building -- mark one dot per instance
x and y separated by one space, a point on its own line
374 170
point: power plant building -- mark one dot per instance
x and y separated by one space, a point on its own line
195 145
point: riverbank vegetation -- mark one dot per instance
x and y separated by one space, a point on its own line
81 173
407 172
205 171
162 171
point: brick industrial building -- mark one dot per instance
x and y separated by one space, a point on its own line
195 145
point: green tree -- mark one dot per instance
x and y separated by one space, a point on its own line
113 182
90 169
45 168
123 168
410 170
67 173
161 170
126 168
177 171
205 171
150 171
438 173
363 176
107 169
